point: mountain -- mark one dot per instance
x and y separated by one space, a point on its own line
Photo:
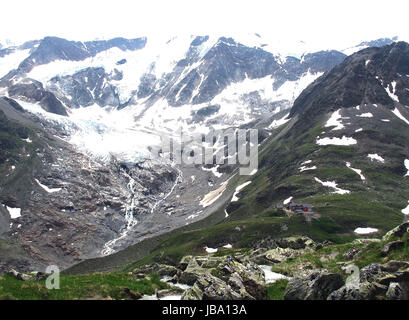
82 122
343 148
372 43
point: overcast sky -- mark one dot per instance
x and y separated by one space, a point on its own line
335 23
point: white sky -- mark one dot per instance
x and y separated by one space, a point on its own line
337 24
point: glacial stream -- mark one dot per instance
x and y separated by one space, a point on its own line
131 221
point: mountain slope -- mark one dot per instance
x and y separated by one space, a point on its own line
344 150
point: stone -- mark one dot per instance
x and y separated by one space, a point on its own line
32 276
345 293
370 272
391 246
131 294
317 286
295 243
394 265
397 232
394 292
279 255
161 269
351 253
209 287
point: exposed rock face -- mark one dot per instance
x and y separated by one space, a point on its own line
53 48
196 78
33 91
317 286
86 87
71 206
373 69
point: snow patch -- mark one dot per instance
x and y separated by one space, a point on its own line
365 115
406 163
374 156
279 122
214 171
270 276
210 250
14 212
332 184
400 116
335 121
362 230
238 189
358 171
212 196
344 141
46 188
405 211
287 201
392 92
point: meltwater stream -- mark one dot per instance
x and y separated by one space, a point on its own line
129 217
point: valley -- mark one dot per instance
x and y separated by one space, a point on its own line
87 185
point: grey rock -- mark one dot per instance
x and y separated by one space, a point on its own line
317 286
391 246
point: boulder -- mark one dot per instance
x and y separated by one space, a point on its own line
397 232
295 243
209 287
279 255
169 292
372 291
370 272
316 286
365 291
351 253
345 293
391 246
161 269
32 276
192 271
395 291
131 294
394 265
